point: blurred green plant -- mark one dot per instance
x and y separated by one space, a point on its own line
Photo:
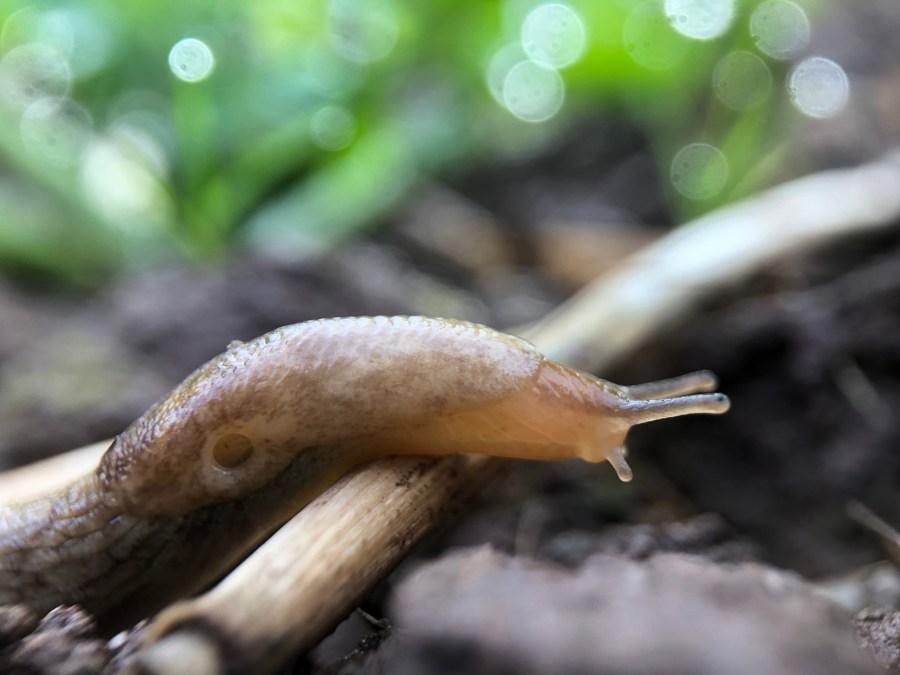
139 132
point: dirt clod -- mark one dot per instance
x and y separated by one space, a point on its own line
63 643
879 631
480 611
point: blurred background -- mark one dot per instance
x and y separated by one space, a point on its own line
172 131
175 175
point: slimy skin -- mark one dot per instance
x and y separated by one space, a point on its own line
256 433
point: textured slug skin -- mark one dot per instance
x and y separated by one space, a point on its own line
254 434
309 385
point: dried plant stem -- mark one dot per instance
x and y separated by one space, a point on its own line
613 314
404 499
31 480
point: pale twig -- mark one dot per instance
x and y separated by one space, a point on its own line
613 314
31 480
889 536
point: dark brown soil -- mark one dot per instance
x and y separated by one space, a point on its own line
811 363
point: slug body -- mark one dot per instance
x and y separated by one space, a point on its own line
256 433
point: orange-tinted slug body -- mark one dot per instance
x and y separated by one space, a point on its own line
256 433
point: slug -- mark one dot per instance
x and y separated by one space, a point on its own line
256 433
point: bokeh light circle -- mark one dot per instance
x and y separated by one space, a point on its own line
503 60
363 31
779 28
56 130
533 92
31 72
332 128
700 19
553 34
699 171
818 87
191 60
742 80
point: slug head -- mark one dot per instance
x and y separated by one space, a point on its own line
656 401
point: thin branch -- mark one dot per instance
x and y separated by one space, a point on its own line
612 315
32 480
889 537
